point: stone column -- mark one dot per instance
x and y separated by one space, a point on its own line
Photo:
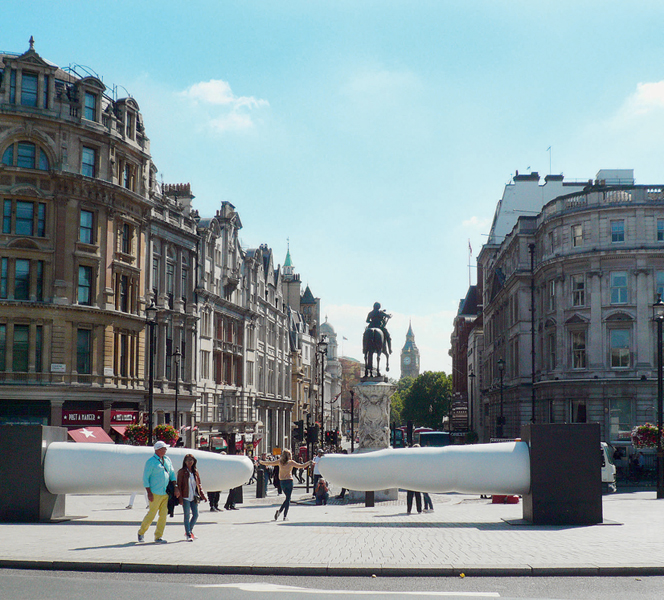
374 394
374 409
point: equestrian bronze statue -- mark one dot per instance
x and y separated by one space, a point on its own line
376 340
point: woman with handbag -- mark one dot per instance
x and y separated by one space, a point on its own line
191 493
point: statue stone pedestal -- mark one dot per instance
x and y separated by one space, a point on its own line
374 394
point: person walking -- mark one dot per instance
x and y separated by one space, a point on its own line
317 474
286 465
191 493
428 504
410 494
158 471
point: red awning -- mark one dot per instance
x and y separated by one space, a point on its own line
90 434
119 429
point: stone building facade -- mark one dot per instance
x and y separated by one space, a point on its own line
75 180
90 239
590 264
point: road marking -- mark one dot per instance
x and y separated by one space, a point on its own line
272 588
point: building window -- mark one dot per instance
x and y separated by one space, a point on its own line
619 340
577 235
28 156
85 229
8 156
578 283
659 282
24 218
170 281
39 296
4 266
12 86
124 354
125 238
619 290
205 364
83 351
124 293
7 217
29 89
22 279
551 296
620 419
551 341
88 161
39 348
660 230
29 217
90 110
130 125
617 232
155 276
3 347
85 285
578 349
41 220
47 81
578 410
21 346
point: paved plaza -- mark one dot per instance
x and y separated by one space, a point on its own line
464 534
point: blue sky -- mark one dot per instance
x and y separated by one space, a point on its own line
376 136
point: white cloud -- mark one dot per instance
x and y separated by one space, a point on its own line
217 91
647 98
477 223
217 108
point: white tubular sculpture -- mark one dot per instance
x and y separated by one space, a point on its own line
105 468
502 468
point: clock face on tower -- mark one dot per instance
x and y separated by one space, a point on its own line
406 360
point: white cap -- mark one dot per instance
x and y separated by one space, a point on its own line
159 445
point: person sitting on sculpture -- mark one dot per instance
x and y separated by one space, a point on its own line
377 319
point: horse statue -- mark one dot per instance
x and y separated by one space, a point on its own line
373 342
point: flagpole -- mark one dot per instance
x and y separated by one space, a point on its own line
470 258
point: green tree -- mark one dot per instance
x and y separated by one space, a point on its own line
396 403
428 400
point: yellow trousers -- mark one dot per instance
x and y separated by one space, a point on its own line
159 504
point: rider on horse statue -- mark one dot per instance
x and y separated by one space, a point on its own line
378 318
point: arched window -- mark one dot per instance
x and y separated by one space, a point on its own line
25 155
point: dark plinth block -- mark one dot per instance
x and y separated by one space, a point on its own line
24 497
565 474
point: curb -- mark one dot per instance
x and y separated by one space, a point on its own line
323 570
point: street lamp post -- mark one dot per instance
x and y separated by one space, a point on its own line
658 317
177 355
352 421
151 320
471 376
501 419
322 351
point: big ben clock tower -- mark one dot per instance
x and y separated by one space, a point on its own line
410 356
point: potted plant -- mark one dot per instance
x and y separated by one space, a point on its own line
166 433
137 434
644 436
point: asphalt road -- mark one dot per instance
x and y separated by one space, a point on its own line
55 585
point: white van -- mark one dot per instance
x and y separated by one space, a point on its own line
608 469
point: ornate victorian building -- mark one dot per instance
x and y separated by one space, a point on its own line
579 280
90 240
75 182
